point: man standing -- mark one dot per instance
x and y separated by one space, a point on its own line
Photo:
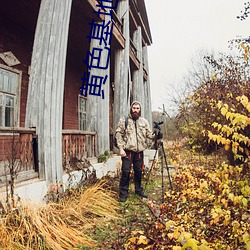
132 141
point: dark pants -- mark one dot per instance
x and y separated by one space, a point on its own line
135 158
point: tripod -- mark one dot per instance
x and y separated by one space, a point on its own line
159 148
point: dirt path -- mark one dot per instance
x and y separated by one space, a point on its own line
137 214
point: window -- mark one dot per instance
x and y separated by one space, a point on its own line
82 112
9 97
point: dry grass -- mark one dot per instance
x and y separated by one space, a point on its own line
62 225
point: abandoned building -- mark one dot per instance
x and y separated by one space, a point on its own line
45 120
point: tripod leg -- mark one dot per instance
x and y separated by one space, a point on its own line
165 158
162 178
150 170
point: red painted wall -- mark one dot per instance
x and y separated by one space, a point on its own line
71 92
19 42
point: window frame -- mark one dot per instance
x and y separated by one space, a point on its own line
80 97
17 96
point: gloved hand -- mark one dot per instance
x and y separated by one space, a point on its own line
159 135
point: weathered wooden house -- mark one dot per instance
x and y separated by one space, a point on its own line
44 120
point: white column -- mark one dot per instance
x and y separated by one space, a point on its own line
148 107
122 77
98 108
138 85
45 95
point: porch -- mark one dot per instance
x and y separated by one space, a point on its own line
19 152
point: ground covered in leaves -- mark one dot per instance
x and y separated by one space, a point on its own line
137 215
208 208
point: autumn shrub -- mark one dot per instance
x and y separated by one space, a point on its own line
208 208
234 133
222 78
211 205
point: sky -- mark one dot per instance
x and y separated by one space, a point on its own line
182 28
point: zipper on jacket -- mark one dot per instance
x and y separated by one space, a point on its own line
136 135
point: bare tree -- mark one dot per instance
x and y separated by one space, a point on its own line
245 12
12 167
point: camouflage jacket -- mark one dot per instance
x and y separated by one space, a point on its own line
136 134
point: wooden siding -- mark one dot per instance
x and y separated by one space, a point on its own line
122 74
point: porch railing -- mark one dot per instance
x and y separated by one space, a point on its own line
78 145
18 149
17 153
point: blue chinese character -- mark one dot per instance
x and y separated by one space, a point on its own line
96 58
93 85
101 32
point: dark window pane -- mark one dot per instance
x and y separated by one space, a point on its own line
1 116
9 117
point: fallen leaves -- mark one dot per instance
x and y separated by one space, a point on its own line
208 208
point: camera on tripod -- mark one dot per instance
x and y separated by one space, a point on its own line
159 148
157 131
157 125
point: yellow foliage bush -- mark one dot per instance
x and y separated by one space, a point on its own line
231 135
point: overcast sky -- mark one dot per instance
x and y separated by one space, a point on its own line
181 28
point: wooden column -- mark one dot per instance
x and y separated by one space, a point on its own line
148 107
138 85
98 108
122 76
45 96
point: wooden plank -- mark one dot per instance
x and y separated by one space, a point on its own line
47 101
148 107
134 59
64 20
17 130
9 58
77 132
47 85
98 106
133 19
144 30
122 79
138 84
139 10
118 36
21 177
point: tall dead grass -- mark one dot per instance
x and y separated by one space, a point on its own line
62 225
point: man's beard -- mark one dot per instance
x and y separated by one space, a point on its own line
135 115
